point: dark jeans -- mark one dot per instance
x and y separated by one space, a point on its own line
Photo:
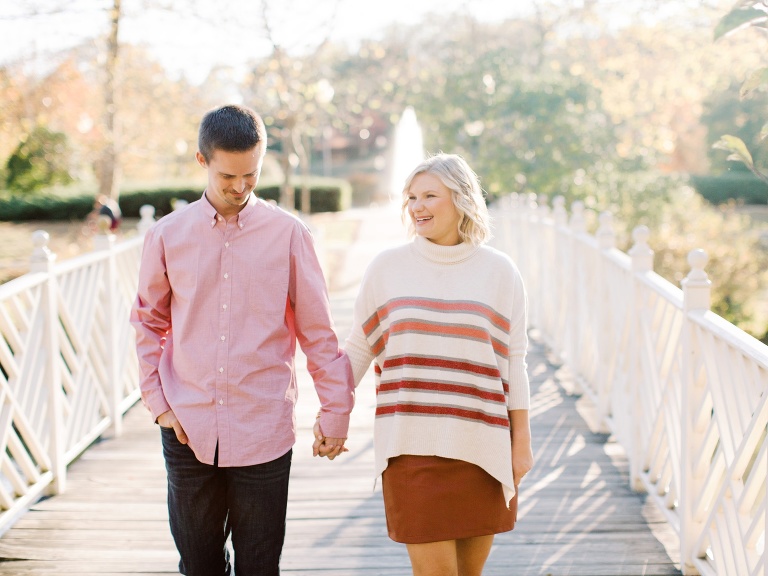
208 503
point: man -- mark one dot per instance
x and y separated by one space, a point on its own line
226 287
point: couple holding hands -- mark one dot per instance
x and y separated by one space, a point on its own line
230 283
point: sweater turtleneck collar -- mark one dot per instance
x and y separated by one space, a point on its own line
443 254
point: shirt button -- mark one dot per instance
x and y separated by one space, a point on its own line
221 402
221 219
221 369
226 244
223 338
226 275
241 226
224 306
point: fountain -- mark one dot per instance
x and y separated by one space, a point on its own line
406 152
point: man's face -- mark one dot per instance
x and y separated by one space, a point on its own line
232 176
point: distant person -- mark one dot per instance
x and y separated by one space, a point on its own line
106 206
444 320
227 286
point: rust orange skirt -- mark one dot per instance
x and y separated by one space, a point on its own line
431 499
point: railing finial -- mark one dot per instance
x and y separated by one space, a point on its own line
41 254
696 285
606 237
558 210
578 223
641 252
147 213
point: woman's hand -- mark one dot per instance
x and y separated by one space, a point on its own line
328 447
522 451
522 458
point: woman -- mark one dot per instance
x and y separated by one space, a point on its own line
444 320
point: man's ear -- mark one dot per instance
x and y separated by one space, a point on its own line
201 159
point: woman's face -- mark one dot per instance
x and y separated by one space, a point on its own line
431 209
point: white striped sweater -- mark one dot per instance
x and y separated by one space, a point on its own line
446 329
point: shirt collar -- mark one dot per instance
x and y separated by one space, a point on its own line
242 217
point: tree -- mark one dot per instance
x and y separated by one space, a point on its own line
292 84
39 161
109 164
754 15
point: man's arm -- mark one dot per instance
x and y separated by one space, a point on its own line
327 364
151 319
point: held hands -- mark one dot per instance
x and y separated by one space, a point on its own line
168 420
323 446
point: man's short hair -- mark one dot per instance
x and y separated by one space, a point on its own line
231 128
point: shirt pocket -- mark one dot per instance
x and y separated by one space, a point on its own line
268 290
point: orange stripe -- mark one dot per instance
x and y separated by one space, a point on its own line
442 363
442 411
439 305
442 387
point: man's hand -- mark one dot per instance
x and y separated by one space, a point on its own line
329 447
168 420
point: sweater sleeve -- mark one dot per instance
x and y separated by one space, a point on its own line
359 353
356 347
519 387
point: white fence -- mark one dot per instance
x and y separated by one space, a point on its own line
68 369
681 389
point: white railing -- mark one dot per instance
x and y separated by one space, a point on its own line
681 389
68 369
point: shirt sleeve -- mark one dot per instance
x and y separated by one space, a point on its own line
519 386
151 319
327 364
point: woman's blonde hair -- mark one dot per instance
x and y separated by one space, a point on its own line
467 194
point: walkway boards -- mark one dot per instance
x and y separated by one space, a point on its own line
577 515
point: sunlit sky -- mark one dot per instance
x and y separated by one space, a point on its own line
192 45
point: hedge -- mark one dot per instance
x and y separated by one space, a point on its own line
739 186
326 195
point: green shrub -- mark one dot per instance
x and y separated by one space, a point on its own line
737 185
326 195
162 200
22 208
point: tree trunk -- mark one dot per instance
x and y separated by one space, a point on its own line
286 190
109 163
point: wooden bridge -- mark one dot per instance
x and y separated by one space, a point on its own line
584 509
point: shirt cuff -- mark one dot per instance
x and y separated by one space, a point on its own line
156 403
334 425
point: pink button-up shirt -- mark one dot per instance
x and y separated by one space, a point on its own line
219 308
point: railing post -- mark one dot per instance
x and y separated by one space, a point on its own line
577 227
642 263
606 237
42 260
147 213
105 241
696 299
606 241
559 213
526 264
560 263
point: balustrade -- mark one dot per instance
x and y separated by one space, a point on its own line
681 389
